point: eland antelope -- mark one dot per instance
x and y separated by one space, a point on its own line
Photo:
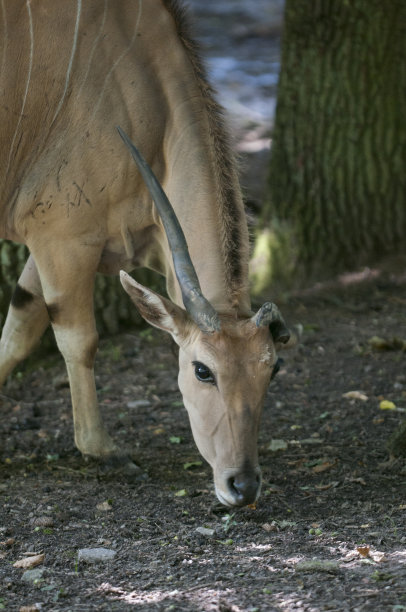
70 72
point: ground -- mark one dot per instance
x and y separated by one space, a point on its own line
328 532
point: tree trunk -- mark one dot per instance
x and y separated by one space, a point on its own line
337 172
113 308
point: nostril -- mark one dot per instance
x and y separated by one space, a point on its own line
244 488
236 490
232 485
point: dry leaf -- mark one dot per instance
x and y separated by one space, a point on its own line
29 562
32 608
383 344
7 543
363 551
360 481
387 405
351 556
378 343
378 557
297 462
311 441
274 489
269 527
252 506
180 493
158 431
322 467
359 395
328 485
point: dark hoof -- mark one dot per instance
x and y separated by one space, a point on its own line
120 467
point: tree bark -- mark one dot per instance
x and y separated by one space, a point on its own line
337 171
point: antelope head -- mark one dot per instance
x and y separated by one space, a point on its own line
225 363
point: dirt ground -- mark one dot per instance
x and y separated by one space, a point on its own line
329 529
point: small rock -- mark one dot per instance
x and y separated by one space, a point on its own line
138 404
276 445
205 531
270 526
96 555
33 575
359 395
104 506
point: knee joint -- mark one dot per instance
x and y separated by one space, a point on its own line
76 345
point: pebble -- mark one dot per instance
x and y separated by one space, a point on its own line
138 404
209 533
96 555
33 575
277 445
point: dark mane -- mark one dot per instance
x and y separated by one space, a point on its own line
231 212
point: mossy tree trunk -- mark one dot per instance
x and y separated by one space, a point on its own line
337 173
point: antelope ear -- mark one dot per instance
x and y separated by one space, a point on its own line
155 309
279 331
269 314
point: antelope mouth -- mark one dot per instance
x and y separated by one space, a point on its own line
238 488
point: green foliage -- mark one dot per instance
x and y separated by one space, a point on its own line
229 521
273 261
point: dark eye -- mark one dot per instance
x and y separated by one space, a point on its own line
276 368
203 373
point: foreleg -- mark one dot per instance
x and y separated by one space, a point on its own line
67 279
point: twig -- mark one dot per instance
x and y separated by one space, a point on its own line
67 469
7 397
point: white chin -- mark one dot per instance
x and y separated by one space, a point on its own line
226 500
